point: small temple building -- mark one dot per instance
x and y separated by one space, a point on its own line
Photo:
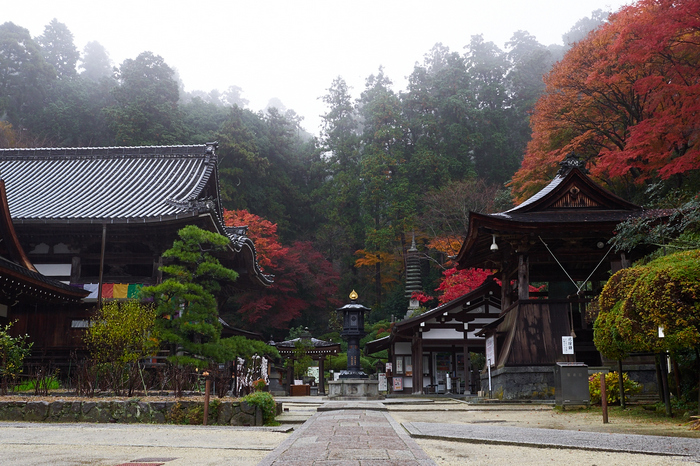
306 345
558 242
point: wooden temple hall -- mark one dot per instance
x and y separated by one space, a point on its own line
82 225
556 242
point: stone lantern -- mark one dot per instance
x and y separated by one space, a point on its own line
353 384
353 316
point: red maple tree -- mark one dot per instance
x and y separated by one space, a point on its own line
626 98
305 286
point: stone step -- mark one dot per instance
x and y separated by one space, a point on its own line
296 417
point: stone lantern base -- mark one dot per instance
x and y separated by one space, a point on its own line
354 389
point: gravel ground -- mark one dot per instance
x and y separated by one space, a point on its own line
545 417
460 453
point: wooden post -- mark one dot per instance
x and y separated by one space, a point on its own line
207 393
523 277
467 366
664 381
603 398
102 265
505 288
321 378
417 355
621 382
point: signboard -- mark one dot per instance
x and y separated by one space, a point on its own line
398 384
313 372
567 344
491 351
382 382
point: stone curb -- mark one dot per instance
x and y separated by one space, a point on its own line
552 438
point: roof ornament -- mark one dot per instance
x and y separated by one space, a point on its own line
212 147
572 160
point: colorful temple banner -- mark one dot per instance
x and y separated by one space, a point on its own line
113 290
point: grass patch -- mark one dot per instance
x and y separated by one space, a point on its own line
652 413
50 383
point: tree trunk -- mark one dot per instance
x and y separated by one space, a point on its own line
659 382
621 382
697 361
378 283
677 377
664 380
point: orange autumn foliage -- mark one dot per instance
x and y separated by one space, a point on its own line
626 99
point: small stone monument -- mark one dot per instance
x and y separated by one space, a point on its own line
353 383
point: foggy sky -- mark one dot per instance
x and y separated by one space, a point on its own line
293 49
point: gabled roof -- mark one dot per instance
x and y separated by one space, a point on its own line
489 290
122 185
570 192
312 347
570 206
487 295
115 183
18 276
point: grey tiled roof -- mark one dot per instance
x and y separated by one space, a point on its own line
539 195
46 286
106 183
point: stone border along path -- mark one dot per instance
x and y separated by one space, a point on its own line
551 438
349 433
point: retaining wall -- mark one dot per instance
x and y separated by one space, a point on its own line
232 413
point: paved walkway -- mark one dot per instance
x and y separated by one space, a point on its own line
550 438
353 434
364 433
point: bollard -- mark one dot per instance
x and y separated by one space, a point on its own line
604 398
207 392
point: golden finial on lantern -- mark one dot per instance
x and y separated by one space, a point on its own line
353 295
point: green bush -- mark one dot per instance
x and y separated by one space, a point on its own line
13 350
266 402
612 387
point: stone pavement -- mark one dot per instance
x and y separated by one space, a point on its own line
550 438
360 434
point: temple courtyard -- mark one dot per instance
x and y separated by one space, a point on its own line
400 431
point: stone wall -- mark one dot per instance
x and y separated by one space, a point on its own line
232 413
520 383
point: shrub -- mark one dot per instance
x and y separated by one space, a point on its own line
259 385
13 350
264 401
612 387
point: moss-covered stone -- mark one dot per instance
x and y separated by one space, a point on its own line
132 411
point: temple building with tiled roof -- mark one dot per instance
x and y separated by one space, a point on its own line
99 219
559 241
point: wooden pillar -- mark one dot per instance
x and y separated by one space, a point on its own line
467 364
523 276
321 378
102 265
75 270
417 355
290 376
505 289
157 275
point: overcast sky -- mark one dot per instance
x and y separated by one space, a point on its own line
293 49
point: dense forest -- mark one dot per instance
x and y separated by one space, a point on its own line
473 131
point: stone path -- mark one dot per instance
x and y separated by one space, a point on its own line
543 438
363 437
